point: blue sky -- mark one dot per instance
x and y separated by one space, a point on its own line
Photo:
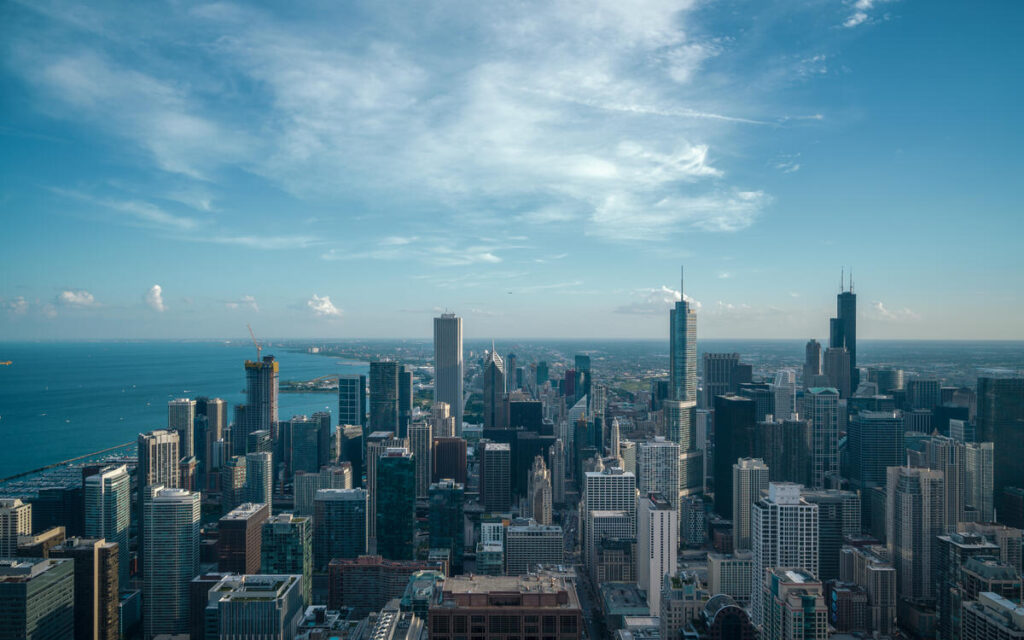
177 169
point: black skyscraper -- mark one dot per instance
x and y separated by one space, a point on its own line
735 432
843 330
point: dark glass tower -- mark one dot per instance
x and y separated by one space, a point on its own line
384 396
735 431
1001 421
843 330
447 499
396 496
683 351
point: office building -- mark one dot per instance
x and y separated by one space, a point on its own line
722 617
494 390
37 599
952 552
38 545
405 396
449 366
719 376
821 408
377 443
240 538
794 606
783 391
783 533
914 517
232 483
495 477
749 479
609 490
543 604
446 520
874 443
339 524
837 370
384 396
843 330
730 574
1000 421
442 420
556 454
96 586
657 469
255 607
531 545
421 445
181 417
287 548
449 459
396 496
992 616
350 450
259 478
692 521
839 514
785 447
305 444
657 538
338 476
159 453
538 496
15 520
367 583
108 511
868 568
735 436
352 401
680 603
1008 539
172 558
682 349
812 364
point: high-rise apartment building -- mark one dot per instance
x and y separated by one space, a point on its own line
338 476
159 452
749 479
657 469
37 599
839 517
794 606
783 533
449 366
496 477
384 396
992 616
181 417
396 499
287 548
172 558
232 483
914 517
495 381
240 538
261 386
730 574
108 511
259 478
15 520
821 408
609 490
446 520
657 538
784 394
339 525
96 586
421 445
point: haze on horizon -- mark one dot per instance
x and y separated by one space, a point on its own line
179 170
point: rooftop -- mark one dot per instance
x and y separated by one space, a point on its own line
244 511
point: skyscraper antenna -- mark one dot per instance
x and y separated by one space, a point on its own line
842 278
682 281
851 279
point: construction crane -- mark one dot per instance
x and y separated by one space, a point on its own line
259 347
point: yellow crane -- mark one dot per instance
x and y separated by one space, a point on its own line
259 347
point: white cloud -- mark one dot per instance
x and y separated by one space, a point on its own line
322 307
625 217
654 301
76 298
880 311
724 275
861 9
245 302
155 298
18 306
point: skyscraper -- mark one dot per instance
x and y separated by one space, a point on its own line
839 515
377 444
287 548
232 483
396 496
609 490
339 525
405 396
683 349
261 384
446 520
539 492
1001 421
914 517
837 370
172 558
794 605
657 538
240 538
305 445
784 393
821 407
749 478
108 511
556 454
37 599
421 445
812 363
96 586
256 607
657 470
352 401
335 476
783 533
874 442
181 417
449 459
159 453
785 448
735 422
718 376
448 366
15 520
843 329
259 478
584 378
496 477
384 396
494 390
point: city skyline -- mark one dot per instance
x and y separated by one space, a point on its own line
551 164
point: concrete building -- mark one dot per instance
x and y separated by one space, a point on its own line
449 366
172 551
181 417
421 445
307 484
657 469
869 568
159 452
657 538
794 606
838 518
749 479
530 545
261 390
992 616
96 586
784 533
240 538
259 478
495 477
914 517
37 599
681 601
730 574
367 583
821 408
255 607
538 497
607 490
15 520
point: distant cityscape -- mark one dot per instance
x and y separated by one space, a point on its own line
531 495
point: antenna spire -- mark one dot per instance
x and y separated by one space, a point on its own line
851 279
842 278
682 281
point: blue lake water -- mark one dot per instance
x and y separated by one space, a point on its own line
61 400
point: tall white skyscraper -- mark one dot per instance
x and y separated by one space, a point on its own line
108 511
181 417
421 445
657 538
172 552
609 490
783 533
259 477
657 469
159 453
821 408
749 478
15 520
448 365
